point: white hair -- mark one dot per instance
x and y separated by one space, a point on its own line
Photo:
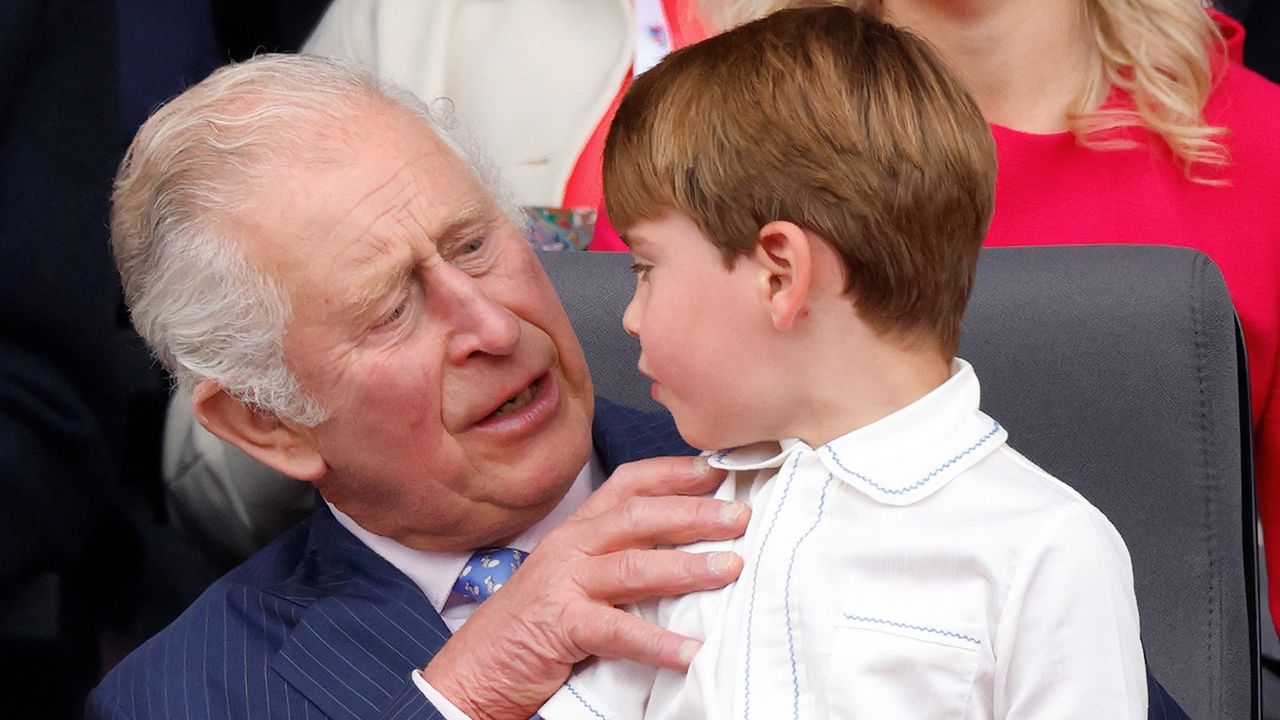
204 311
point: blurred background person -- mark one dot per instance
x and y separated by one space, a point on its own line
89 563
536 81
62 408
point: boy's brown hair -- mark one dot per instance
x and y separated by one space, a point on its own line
833 120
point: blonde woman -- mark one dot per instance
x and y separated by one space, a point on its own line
1125 121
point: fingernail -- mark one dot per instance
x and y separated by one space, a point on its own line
719 562
700 465
688 649
732 511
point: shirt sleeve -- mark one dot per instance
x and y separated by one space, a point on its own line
447 709
1067 644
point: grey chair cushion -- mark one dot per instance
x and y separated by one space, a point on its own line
1114 368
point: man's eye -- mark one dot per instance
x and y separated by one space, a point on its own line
471 246
395 315
641 269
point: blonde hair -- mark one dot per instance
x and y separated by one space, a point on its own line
830 119
1159 52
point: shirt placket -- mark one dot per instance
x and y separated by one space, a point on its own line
773 676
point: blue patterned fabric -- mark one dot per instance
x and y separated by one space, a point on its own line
316 625
487 571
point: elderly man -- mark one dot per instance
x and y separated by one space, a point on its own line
328 276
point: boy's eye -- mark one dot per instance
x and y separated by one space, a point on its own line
641 269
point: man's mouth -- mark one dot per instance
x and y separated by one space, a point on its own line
518 402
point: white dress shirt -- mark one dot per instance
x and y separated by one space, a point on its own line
916 568
436 572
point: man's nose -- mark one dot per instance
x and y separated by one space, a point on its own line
478 323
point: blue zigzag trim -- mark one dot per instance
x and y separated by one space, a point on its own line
935 631
995 428
585 704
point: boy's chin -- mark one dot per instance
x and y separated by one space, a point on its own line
711 431
693 432
705 436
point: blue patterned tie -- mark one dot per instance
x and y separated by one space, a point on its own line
486 571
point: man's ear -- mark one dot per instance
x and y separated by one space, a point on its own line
278 444
786 266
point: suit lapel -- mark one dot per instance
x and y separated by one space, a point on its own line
366 626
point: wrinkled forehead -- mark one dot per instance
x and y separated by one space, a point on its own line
392 181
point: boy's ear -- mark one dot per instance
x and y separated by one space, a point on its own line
278 444
784 256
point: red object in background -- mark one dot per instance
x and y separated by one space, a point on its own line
584 188
1052 191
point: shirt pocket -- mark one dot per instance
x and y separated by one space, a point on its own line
888 664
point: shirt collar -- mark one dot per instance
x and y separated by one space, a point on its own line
435 572
903 457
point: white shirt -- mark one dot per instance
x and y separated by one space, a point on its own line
435 572
916 568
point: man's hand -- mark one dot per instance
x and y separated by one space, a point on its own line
519 646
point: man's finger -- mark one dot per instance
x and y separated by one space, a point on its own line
633 575
653 477
613 633
650 521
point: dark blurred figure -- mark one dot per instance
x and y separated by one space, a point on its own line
1261 20
81 403
247 27
165 47
61 402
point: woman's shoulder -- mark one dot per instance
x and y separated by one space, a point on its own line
1247 106
1245 102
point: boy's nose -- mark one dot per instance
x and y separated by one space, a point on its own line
631 318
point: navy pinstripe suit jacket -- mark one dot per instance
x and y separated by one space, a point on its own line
316 625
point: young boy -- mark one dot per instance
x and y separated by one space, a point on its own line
805 198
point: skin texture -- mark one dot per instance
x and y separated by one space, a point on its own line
695 318
418 311
1025 63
